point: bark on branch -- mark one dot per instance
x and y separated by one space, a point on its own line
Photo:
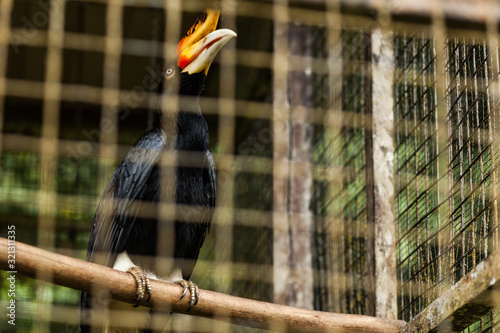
81 275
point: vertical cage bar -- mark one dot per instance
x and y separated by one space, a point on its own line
442 152
352 195
168 163
111 90
110 97
416 172
369 228
401 170
169 106
224 244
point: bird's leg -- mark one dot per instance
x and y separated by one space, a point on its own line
143 285
193 291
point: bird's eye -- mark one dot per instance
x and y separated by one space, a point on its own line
169 73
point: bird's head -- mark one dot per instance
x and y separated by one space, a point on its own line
195 53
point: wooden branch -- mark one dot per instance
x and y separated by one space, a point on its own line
85 276
459 14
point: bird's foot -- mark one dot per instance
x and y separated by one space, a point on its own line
194 293
143 285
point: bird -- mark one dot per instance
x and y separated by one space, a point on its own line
126 233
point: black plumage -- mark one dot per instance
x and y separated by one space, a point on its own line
127 231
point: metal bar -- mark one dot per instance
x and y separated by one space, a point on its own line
169 108
80 275
109 98
493 100
334 222
442 155
300 185
224 229
455 13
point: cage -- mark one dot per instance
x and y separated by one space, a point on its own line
355 148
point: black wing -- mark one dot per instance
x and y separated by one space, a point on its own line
117 210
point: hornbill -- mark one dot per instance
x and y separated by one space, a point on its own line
125 234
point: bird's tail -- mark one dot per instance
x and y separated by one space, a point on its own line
119 317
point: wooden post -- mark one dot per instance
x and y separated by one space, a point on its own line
382 62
